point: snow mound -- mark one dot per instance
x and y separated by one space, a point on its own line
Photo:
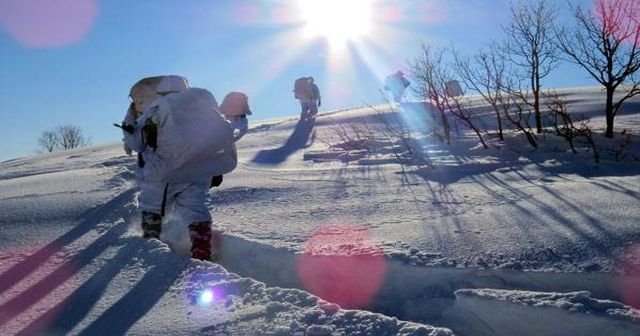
516 312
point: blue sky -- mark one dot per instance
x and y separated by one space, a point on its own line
73 61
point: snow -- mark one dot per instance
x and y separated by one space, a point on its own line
332 228
573 313
575 302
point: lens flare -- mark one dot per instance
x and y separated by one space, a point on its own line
247 14
207 296
48 23
283 15
620 18
205 290
433 13
628 283
389 13
342 265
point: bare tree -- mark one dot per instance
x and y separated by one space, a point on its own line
531 47
565 127
467 116
48 141
606 43
61 138
70 136
518 112
485 74
430 75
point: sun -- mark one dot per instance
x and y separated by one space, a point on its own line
336 20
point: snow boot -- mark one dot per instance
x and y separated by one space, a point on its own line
200 233
151 225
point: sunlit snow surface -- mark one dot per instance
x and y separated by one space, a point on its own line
315 224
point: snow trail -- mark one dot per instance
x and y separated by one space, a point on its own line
414 293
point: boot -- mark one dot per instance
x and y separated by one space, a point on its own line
200 233
151 225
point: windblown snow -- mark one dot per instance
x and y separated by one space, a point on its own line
357 223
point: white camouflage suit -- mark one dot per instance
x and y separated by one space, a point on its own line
169 181
156 196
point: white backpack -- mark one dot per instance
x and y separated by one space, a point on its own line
194 141
235 104
303 89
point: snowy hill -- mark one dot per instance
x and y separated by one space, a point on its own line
354 224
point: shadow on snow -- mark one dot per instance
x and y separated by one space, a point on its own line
301 138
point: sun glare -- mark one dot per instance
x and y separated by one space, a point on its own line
336 20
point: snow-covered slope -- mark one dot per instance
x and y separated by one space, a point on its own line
73 263
327 216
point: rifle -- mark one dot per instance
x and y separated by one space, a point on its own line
125 127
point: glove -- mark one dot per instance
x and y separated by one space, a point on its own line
150 134
216 181
128 128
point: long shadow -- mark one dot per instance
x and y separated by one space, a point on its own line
617 187
57 321
120 317
66 315
586 224
42 288
451 174
64 272
299 139
21 270
560 217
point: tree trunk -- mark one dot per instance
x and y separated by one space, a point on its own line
500 133
536 97
446 126
536 109
609 112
